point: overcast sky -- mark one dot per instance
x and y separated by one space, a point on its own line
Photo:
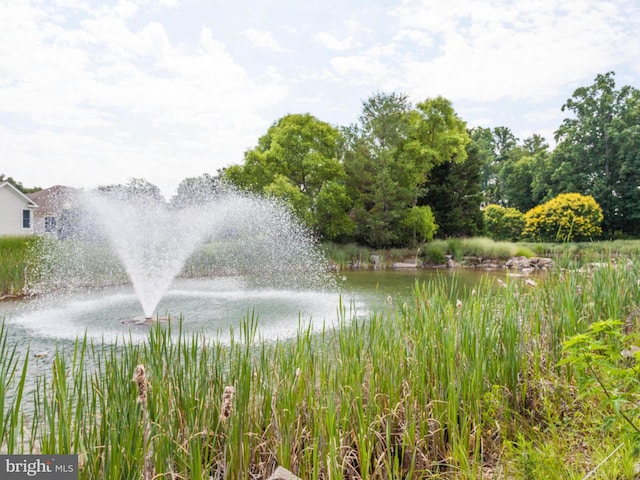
98 92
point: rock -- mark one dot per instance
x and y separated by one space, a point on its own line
524 263
410 262
282 473
541 263
375 259
518 263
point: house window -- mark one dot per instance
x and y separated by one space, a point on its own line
49 224
26 219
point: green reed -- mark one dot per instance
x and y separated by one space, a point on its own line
14 262
427 388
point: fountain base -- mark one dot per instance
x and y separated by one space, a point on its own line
145 320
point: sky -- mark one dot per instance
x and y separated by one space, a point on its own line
98 92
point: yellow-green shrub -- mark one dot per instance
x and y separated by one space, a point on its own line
503 223
567 217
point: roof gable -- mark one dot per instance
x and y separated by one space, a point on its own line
19 194
53 200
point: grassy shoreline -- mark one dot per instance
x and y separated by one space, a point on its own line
20 267
433 388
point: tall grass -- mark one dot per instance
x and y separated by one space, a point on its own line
437 387
14 261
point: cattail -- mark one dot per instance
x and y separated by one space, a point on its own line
227 398
140 379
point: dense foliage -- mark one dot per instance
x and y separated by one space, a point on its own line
598 151
479 181
503 223
565 218
364 182
361 183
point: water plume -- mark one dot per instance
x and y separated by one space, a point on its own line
119 235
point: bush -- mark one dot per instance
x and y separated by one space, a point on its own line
567 217
434 253
420 224
503 223
456 248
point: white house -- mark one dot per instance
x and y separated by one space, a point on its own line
16 211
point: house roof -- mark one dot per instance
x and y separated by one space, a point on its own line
53 200
11 188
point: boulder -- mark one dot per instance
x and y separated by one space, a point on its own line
282 473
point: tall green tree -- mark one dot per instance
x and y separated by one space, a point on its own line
388 157
495 147
378 179
453 193
597 150
294 160
439 136
521 174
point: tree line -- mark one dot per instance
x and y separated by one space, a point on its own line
403 172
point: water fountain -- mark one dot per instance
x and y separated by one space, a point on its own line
213 259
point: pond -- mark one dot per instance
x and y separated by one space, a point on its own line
215 306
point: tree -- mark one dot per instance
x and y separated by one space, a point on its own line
420 224
495 146
453 193
294 160
388 158
625 138
195 190
438 137
567 217
136 187
380 183
330 212
522 173
18 185
595 150
284 189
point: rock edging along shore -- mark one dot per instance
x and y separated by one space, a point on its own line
520 263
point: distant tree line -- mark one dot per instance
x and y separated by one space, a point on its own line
403 174
17 184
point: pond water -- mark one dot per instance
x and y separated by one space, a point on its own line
214 306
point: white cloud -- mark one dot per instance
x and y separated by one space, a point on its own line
263 39
360 69
166 89
106 91
333 43
488 50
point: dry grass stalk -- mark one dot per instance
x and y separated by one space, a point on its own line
140 379
227 399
